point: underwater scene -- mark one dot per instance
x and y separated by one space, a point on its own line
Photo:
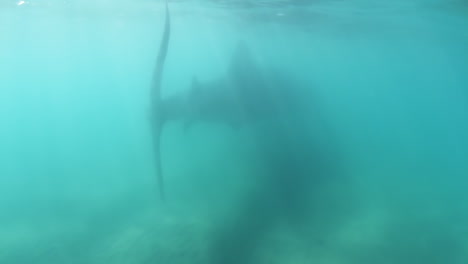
233 131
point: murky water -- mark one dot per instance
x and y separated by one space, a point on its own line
340 137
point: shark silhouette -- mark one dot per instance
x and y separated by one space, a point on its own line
242 96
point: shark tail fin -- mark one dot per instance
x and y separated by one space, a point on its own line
157 154
158 121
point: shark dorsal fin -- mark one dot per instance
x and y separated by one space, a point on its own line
242 63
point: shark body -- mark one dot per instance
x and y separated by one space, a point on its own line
242 96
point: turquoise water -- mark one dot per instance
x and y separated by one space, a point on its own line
366 162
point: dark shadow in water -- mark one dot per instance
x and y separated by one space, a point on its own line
298 163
